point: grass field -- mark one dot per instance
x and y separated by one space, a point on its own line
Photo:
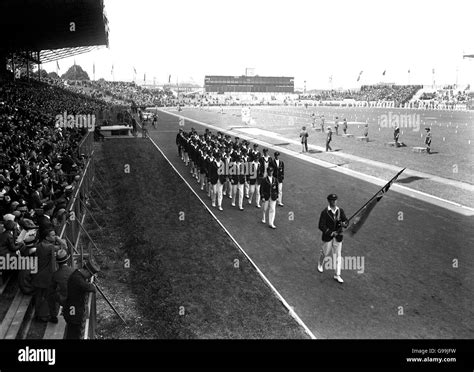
452 158
186 278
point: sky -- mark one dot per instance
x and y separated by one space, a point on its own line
310 40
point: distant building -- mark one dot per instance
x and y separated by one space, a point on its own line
249 84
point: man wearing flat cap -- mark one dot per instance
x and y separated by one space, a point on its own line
78 285
331 222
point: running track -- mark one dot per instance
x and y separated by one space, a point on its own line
408 264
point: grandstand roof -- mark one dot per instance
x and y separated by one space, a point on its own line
56 28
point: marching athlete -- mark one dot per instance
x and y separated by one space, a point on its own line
252 179
238 180
269 191
331 222
279 172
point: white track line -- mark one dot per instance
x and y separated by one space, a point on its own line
280 297
420 195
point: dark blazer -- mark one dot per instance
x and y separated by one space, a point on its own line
269 189
77 288
213 175
60 279
328 224
46 264
279 171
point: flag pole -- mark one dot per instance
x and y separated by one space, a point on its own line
376 194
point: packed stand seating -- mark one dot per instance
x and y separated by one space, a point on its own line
398 93
40 167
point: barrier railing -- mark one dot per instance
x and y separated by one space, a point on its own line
72 229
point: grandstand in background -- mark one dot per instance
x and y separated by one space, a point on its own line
249 84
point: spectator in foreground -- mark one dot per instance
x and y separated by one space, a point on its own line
78 286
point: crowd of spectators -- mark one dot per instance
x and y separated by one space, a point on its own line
40 167
397 93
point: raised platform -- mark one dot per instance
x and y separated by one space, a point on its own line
363 139
116 130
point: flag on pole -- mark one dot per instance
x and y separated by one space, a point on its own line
57 65
144 77
408 70
134 71
383 73
360 73
112 71
93 68
358 218
169 79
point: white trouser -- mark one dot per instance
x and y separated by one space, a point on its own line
271 213
280 192
257 194
239 187
217 193
251 192
203 180
246 189
335 247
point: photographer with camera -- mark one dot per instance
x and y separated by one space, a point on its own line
331 222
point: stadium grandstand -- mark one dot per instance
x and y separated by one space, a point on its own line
45 167
248 84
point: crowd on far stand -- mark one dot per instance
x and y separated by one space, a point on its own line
40 167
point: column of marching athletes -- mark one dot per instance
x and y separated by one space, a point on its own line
235 169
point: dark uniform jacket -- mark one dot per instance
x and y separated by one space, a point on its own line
60 279
328 222
77 288
279 171
269 189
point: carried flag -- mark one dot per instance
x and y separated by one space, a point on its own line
134 71
57 65
358 218
360 73
169 79
383 73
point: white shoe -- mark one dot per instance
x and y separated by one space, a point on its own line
258 206
213 205
250 201
281 204
224 193
233 204
263 221
272 226
220 208
338 278
230 196
320 267
240 208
